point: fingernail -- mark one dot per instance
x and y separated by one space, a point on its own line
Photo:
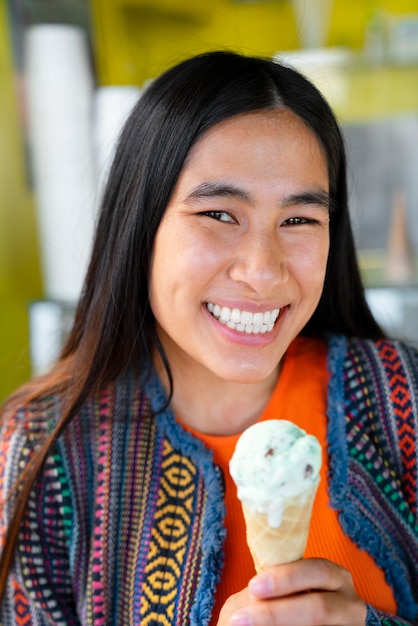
261 585
241 619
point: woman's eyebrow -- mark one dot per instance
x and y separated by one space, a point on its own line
211 189
319 198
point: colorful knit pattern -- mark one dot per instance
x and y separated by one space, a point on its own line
125 524
381 429
403 419
170 537
21 604
120 513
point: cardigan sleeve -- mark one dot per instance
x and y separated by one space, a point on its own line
379 618
39 585
399 362
373 435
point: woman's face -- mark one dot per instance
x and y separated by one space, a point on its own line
239 258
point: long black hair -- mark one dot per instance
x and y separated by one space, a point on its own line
172 114
114 327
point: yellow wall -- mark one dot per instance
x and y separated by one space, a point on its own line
19 267
350 17
135 42
137 39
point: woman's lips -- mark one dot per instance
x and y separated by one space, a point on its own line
244 321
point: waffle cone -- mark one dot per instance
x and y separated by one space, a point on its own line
273 546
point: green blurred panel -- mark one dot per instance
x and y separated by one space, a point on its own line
14 341
20 280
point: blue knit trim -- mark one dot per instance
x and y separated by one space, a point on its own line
214 532
372 618
355 526
338 453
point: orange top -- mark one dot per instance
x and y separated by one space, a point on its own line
300 397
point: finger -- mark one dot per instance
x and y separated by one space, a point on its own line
309 609
303 575
233 605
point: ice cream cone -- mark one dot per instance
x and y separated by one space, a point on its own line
273 546
275 467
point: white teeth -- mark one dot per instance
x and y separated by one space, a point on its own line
225 314
244 321
267 318
236 316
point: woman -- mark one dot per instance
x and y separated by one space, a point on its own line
223 289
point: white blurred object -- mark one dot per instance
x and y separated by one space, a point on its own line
403 38
324 67
59 87
375 39
112 106
387 308
313 18
396 310
49 325
400 265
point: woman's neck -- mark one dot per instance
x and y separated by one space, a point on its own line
214 406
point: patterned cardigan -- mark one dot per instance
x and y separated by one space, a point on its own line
125 525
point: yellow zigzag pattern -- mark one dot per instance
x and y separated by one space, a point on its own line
169 539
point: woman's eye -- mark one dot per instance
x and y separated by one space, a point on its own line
220 216
296 221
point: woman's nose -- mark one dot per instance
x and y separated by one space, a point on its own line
260 263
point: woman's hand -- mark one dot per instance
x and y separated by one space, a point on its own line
310 592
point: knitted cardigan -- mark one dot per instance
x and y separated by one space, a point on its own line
125 524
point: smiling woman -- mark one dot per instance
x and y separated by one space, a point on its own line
223 290
246 230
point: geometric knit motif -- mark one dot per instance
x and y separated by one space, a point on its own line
21 606
170 537
381 429
156 515
404 432
129 507
53 532
30 589
123 517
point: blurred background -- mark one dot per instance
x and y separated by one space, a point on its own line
71 70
